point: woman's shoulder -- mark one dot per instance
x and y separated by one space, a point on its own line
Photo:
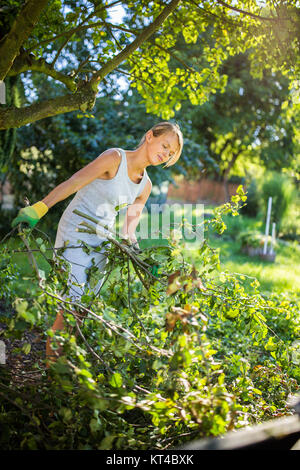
111 158
112 154
148 180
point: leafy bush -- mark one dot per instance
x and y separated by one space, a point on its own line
160 358
290 229
251 208
252 238
282 191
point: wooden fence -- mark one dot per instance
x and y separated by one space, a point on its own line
204 190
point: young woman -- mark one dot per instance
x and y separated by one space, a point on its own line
115 177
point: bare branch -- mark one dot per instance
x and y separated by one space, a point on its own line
26 62
248 13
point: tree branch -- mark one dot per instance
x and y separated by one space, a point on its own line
18 34
168 51
248 13
125 53
83 99
25 62
73 30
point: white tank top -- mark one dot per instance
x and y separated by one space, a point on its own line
99 199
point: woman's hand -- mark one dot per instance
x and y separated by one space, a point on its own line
136 247
30 214
131 242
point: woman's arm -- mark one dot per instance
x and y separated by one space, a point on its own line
106 164
134 212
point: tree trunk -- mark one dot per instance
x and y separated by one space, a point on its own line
8 136
19 33
84 97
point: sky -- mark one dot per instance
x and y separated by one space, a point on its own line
116 14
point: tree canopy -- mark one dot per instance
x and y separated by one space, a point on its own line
80 46
245 121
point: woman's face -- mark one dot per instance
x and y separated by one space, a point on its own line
161 148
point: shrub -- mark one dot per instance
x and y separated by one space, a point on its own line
251 238
282 191
158 360
251 207
291 227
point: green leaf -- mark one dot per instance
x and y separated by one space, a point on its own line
116 380
95 424
26 348
271 345
107 442
66 413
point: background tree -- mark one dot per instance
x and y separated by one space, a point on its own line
245 121
184 58
46 39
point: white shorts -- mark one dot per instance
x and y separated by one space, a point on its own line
79 262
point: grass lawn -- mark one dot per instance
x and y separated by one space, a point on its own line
281 275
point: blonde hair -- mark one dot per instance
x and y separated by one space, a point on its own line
164 128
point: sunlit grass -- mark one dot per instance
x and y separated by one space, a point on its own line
281 275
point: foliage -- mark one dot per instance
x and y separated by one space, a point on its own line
77 45
290 229
281 189
249 238
243 123
157 361
252 207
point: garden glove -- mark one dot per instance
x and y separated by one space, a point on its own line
31 214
